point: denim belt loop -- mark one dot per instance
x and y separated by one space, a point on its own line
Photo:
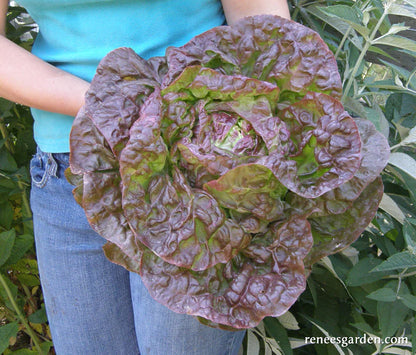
52 166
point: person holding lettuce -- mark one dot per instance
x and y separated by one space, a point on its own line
94 306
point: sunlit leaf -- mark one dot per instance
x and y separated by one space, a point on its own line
409 232
396 28
336 22
253 344
289 321
404 162
397 261
397 42
390 206
401 10
411 137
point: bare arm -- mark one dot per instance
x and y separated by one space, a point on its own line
28 80
3 11
237 9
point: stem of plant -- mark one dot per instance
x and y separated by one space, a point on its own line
29 297
396 146
400 276
5 135
342 42
295 13
30 331
25 200
399 284
16 112
367 45
409 80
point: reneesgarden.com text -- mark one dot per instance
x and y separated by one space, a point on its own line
348 340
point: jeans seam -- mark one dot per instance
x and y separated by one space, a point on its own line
231 345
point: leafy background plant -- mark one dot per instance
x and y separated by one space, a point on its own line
23 324
368 289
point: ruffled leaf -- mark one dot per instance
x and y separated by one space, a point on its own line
324 148
266 47
183 226
122 83
205 169
265 279
375 154
102 205
332 233
89 149
250 189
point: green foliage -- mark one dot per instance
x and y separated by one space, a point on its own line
22 316
369 288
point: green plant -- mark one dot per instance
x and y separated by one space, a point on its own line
23 328
370 287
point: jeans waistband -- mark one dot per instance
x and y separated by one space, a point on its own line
57 158
44 166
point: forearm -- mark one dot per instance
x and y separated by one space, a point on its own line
3 11
237 9
28 80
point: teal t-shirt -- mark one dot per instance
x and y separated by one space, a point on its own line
75 35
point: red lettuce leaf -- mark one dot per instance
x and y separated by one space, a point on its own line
324 147
183 226
102 205
332 233
265 279
206 168
266 47
250 189
375 154
312 146
122 83
89 149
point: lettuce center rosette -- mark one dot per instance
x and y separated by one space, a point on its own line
220 170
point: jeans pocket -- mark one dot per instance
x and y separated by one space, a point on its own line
42 167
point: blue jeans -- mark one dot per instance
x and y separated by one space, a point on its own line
95 307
